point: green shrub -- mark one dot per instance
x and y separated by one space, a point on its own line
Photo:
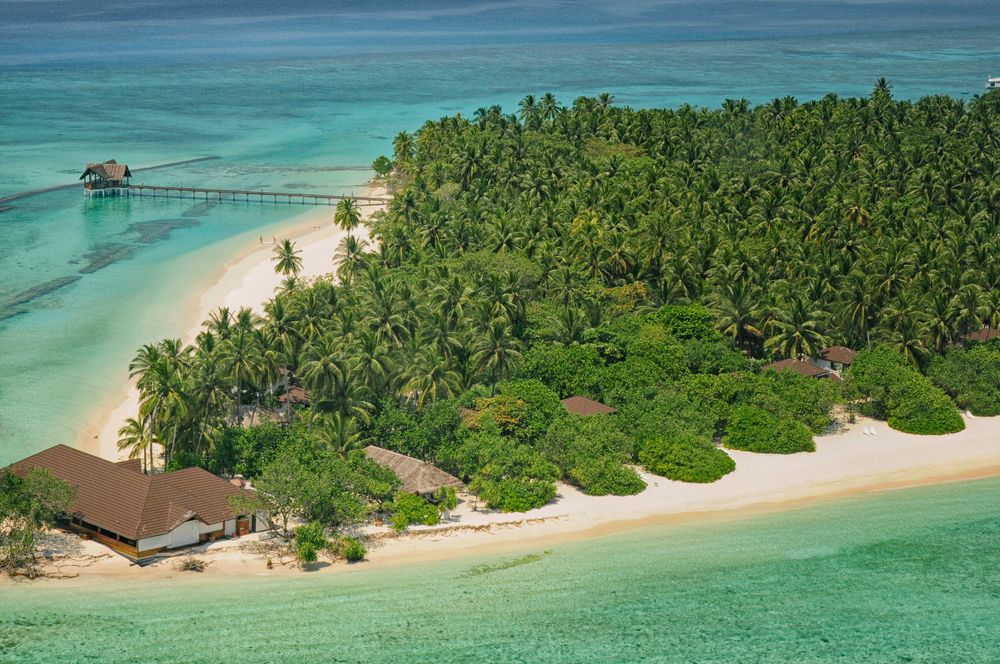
572 370
506 474
352 549
603 476
756 430
971 377
541 407
309 540
513 494
889 388
589 452
409 508
685 458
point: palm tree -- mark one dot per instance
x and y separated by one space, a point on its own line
347 215
287 259
796 333
496 351
135 437
431 377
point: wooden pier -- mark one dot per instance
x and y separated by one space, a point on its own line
113 179
209 194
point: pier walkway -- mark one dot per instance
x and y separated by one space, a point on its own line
205 193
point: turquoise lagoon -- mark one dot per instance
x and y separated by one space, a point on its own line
905 576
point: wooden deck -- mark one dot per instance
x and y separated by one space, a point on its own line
208 194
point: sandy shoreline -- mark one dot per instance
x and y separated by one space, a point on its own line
846 463
248 280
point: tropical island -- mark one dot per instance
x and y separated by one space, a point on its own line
594 297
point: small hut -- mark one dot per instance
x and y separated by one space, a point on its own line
416 476
106 179
585 407
836 358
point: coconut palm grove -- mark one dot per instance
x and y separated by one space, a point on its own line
652 260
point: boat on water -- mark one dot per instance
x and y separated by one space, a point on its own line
993 82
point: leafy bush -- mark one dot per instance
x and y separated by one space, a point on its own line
690 321
686 458
191 564
309 540
513 493
352 549
887 387
541 407
971 377
506 474
756 430
604 476
446 498
416 434
572 370
409 508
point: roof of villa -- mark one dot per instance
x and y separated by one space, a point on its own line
109 170
115 497
416 476
584 406
984 334
294 394
799 367
839 354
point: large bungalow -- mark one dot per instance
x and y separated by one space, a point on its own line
139 515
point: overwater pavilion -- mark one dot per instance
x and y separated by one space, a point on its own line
107 179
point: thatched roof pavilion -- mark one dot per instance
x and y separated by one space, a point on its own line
417 476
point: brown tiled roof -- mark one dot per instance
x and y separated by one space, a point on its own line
109 170
984 334
116 498
800 367
416 476
585 406
838 354
134 465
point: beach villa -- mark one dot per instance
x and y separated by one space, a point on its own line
139 515
835 358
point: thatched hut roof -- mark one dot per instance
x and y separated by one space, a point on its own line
109 170
417 476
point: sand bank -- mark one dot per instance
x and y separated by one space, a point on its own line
248 280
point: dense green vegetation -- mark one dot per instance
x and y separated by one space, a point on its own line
890 389
649 259
756 430
970 376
